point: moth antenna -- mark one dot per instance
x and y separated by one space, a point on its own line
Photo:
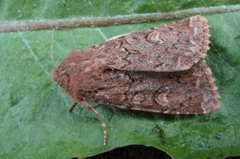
70 109
55 70
51 50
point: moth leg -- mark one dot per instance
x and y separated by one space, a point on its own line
71 108
96 106
104 125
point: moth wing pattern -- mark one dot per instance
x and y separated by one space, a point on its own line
168 48
100 73
184 92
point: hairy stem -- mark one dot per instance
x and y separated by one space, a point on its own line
77 22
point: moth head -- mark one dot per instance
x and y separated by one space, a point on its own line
67 70
62 74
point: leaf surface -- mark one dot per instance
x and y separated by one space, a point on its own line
34 117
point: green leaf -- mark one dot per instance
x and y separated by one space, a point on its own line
34 117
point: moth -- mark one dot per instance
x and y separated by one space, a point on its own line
160 70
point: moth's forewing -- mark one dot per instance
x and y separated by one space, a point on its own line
185 92
168 48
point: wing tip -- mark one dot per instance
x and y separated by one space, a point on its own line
201 34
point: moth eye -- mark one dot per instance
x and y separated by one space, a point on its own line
61 75
63 80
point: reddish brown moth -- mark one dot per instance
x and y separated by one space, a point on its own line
160 70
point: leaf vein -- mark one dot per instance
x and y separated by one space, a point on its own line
36 59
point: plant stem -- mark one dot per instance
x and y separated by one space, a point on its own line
77 22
